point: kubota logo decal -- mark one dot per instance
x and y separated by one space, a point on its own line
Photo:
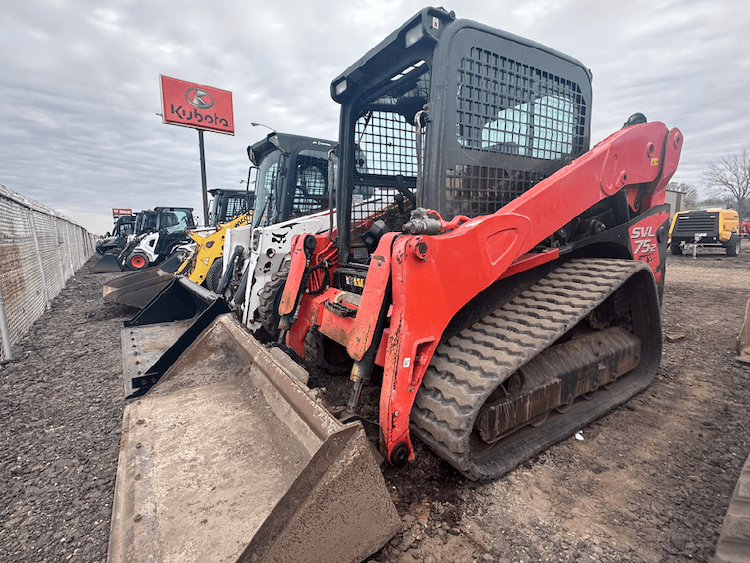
198 117
199 98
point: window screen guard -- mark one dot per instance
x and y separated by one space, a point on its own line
517 112
386 156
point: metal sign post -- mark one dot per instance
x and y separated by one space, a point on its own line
203 177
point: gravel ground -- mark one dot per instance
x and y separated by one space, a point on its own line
649 483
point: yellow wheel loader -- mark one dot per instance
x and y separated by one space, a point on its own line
493 279
204 265
229 209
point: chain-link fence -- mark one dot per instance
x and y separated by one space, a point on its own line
40 249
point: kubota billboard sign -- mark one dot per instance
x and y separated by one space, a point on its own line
192 105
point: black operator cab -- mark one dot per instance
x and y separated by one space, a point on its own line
228 204
451 115
292 179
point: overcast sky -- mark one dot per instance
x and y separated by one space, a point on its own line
79 82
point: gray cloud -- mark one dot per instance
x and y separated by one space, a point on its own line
80 82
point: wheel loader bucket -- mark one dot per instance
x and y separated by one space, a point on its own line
743 338
107 263
230 458
139 288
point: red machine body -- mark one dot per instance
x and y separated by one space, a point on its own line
433 276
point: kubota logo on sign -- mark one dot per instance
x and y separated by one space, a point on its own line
199 98
187 104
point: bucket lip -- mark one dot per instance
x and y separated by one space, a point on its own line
340 476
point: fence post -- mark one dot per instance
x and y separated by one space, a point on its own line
39 258
58 244
4 332
69 246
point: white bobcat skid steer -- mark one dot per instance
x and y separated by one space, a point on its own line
172 224
265 260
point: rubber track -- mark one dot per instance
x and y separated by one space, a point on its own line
469 366
734 541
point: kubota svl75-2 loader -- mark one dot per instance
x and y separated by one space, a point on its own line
510 299
497 280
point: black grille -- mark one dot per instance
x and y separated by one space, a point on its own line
235 206
386 154
482 190
386 145
696 222
311 181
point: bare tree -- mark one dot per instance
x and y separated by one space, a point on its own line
719 201
731 176
690 199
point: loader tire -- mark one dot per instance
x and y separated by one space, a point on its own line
676 249
137 261
270 297
469 369
733 247
213 277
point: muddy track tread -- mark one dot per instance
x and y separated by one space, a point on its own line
734 542
455 386
485 351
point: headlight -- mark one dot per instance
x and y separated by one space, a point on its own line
414 34
340 87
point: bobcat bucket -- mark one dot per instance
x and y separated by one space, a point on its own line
230 458
160 332
139 288
107 263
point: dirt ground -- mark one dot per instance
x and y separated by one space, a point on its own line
648 483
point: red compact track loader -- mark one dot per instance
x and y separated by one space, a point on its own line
494 284
491 286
